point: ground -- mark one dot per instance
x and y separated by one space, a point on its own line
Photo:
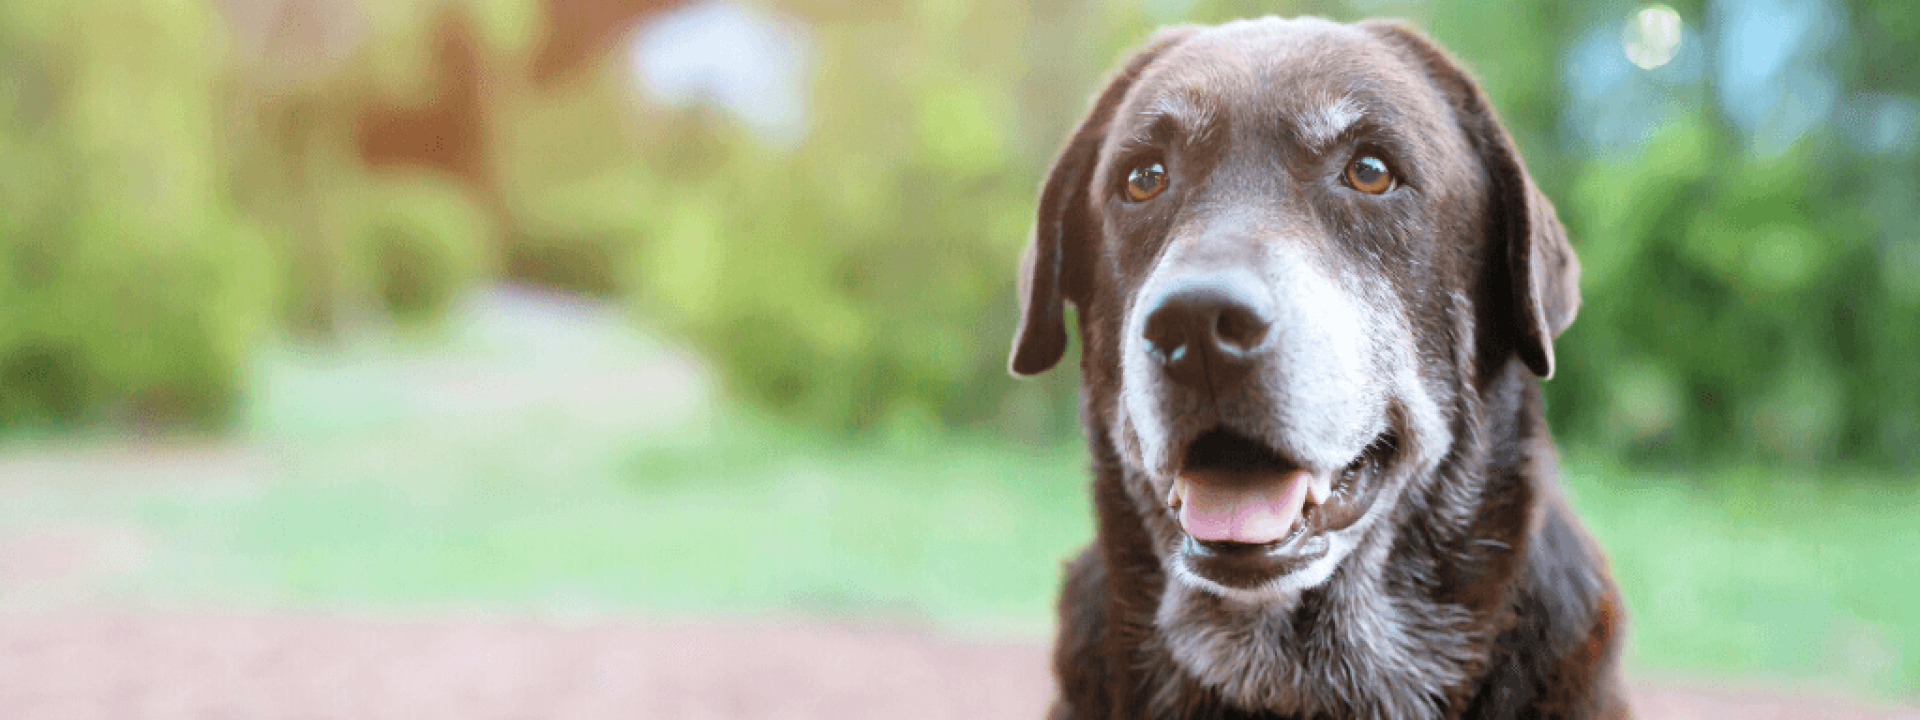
266 666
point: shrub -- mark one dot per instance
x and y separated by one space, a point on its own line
423 242
129 289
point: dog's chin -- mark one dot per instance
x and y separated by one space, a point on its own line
1255 526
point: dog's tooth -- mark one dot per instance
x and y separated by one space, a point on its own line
1319 488
1176 493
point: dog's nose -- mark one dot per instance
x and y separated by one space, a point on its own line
1207 325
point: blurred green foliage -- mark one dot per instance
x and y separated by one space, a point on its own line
163 206
129 286
1746 300
424 241
864 278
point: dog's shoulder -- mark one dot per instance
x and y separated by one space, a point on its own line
1558 657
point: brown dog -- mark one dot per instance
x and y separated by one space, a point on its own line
1314 282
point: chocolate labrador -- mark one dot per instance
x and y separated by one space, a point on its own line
1315 284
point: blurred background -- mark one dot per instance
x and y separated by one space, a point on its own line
344 341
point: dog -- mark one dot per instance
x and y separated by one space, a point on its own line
1315 286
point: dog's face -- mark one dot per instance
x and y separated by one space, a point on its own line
1296 247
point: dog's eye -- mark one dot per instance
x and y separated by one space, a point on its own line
1369 174
1146 181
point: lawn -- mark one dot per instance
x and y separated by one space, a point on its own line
353 487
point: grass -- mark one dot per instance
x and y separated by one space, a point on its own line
748 522
1761 572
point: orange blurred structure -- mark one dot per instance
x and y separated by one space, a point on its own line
449 133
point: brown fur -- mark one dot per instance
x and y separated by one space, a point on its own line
1468 590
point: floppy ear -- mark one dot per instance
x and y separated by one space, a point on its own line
1544 275
1058 263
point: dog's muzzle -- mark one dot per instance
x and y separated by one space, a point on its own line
1217 345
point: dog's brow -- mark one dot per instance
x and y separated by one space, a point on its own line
1187 109
1324 122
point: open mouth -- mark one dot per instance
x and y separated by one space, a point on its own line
1250 514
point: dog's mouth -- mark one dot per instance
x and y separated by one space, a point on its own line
1251 515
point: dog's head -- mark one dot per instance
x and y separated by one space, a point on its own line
1297 247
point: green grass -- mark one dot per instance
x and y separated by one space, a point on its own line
951 533
1764 572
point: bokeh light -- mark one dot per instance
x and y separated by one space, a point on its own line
1652 36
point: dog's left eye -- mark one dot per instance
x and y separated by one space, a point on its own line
1146 181
1369 174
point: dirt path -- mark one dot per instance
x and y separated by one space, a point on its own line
292 665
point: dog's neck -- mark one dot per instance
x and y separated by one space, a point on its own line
1403 629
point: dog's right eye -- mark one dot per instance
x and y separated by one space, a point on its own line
1146 181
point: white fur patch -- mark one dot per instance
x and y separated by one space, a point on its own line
1138 380
1324 123
1185 107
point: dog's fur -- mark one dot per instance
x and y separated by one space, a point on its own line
1408 328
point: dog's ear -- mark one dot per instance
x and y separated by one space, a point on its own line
1058 262
1545 275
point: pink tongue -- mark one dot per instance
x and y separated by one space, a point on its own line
1243 509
